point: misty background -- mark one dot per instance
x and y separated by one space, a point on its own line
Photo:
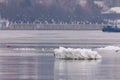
57 11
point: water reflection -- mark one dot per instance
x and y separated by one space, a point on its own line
46 67
75 70
26 68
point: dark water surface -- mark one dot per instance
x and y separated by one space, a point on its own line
28 55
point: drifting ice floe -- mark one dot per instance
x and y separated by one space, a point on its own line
109 49
70 53
25 49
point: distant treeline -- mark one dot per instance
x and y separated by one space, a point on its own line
50 11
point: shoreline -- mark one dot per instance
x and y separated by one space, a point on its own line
52 27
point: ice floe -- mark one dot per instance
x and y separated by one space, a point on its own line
80 54
109 49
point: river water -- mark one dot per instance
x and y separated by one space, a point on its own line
28 55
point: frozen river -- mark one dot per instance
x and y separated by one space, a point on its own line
27 55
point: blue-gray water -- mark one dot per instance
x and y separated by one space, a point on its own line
28 55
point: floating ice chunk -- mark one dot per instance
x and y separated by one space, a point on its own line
70 53
25 49
109 49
